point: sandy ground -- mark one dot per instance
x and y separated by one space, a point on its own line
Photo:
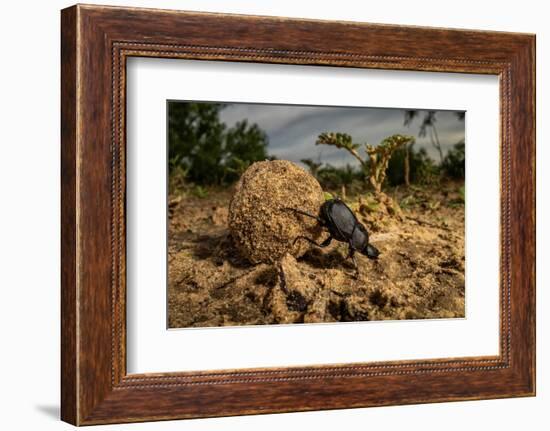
419 274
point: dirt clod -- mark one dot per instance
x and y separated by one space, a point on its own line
261 221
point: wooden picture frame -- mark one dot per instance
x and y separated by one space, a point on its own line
95 43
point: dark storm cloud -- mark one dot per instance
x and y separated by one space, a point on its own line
293 130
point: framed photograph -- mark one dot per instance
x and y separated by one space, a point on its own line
264 214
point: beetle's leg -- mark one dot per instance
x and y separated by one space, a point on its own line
319 220
351 254
324 244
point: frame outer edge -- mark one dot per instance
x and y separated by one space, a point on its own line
532 100
69 202
88 397
523 216
529 61
533 54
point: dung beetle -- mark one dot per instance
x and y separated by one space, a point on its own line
342 225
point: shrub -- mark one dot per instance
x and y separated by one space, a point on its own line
200 145
423 169
375 162
454 165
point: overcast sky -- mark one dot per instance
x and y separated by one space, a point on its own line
293 130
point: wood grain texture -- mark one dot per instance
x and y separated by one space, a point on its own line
69 397
96 41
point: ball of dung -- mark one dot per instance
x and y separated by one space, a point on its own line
261 221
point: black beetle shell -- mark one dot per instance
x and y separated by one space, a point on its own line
343 225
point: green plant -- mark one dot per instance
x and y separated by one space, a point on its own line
408 201
244 145
328 196
426 171
433 205
460 200
312 166
422 169
331 177
178 175
454 163
209 152
200 192
427 128
375 161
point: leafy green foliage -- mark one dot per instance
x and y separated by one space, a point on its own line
408 202
460 200
202 148
454 165
423 170
328 196
244 144
331 177
374 162
312 166
339 140
200 192
379 157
